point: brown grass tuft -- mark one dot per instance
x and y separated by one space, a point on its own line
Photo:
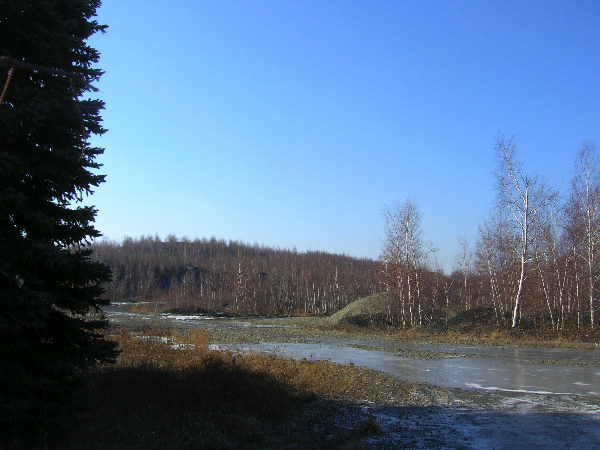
149 308
200 339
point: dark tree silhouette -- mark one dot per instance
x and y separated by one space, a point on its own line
48 282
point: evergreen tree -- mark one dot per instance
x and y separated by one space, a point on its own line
48 283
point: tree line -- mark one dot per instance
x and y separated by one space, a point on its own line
535 261
218 276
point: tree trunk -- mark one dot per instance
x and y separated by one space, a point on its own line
520 289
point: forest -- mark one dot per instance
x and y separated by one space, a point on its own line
535 263
217 276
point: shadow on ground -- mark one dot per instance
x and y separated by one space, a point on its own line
218 406
460 427
223 406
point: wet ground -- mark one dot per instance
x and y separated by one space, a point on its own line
511 423
508 397
491 374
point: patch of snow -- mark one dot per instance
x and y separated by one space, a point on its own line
163 339
521 391
265 325
188 317
182 346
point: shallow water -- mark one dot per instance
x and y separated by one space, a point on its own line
556 354
465 373
511 353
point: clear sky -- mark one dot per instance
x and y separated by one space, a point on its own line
293 123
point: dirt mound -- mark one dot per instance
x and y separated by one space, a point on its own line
477 319
372 310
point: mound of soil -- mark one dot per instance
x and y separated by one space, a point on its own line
473 320
374 310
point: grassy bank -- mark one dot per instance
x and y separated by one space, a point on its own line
521 337
475 327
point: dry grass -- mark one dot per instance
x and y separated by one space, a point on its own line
149 308
168 390
173 350
499 337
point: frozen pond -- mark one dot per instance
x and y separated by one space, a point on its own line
467 373
520 354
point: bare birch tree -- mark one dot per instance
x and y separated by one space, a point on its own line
403 254
551 256
485 261
463 265
526 199
585 216
494 260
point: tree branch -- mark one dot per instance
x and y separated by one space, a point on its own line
11 62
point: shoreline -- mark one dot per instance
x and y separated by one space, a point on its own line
383 411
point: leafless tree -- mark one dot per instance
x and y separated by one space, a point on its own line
527 200
404 254
231 276
463 265
585 216
494 262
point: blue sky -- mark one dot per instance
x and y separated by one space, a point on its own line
293 123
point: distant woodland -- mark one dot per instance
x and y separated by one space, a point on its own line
535 263
218 276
